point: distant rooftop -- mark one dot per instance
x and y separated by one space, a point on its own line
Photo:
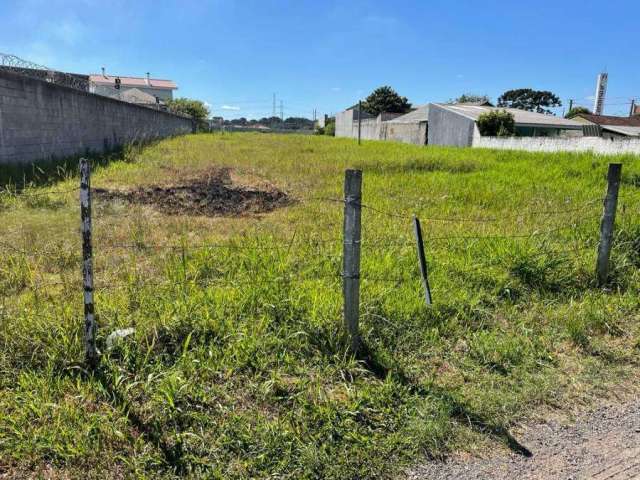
628 131
610 120
522 118
100 79
420 114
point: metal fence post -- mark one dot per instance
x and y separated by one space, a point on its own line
90 327
351 254
421 259
607 223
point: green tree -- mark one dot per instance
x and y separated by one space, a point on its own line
385 99
496 123
187 106
531 100
471 98
577 110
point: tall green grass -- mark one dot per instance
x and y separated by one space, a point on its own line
239 367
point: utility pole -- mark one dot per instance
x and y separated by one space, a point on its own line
570 105
633 107
281 111
274 104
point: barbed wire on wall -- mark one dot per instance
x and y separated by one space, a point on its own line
24 67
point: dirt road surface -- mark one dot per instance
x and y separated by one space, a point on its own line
601 445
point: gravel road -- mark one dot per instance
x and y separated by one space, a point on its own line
601 445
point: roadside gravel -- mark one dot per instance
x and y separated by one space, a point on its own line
601 445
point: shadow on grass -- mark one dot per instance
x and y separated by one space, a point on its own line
151 431
43 173
458 410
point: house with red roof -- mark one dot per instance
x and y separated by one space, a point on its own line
116 86
608 126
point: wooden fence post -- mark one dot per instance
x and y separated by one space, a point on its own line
607 223
90 327
421 259
351 254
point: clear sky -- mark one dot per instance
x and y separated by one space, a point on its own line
234 54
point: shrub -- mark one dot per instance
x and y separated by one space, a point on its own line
496 123
330 129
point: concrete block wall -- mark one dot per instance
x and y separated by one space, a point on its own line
449 128
40 121
344 124
414 133
597 145
372 128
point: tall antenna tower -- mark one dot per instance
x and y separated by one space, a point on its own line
601 92
274 104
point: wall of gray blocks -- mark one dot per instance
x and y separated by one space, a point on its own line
42 121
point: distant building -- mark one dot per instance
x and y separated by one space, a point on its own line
371 127
322 121
104 84
446 124
607 126
455 124
216 123
411 127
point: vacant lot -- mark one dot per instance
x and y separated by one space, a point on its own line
224 253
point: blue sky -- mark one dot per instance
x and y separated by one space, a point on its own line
327 54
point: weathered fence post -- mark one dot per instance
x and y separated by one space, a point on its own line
351 254
90 327
607 222
421 259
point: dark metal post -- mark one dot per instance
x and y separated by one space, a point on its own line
351 254
421 259
607 223
90 326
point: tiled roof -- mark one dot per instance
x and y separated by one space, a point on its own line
521 117
100 79
611 120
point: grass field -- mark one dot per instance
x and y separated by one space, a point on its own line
238 367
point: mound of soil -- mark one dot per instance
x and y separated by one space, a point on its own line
212 194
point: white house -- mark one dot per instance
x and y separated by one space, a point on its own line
104 84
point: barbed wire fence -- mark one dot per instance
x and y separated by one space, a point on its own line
24 67
348 272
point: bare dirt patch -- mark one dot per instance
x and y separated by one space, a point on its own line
212 193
